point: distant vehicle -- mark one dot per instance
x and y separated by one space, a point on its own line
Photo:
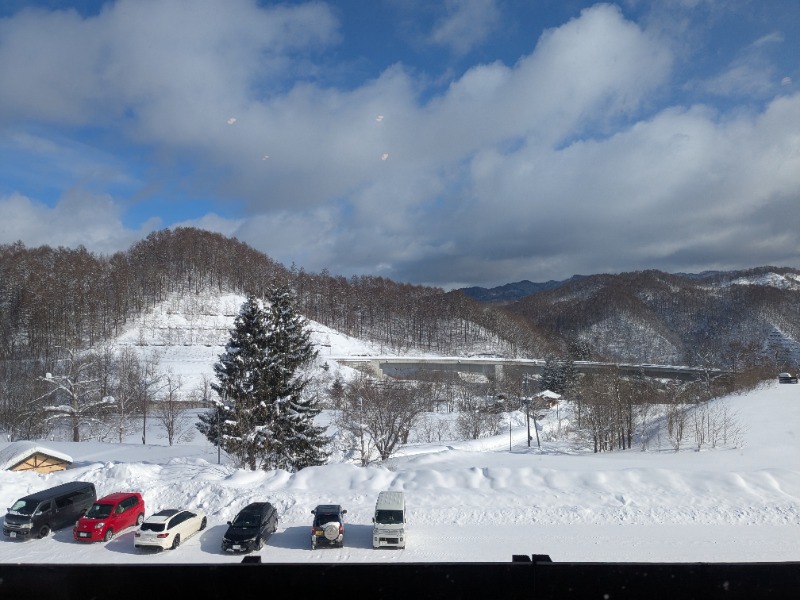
328 526
389 522
108 516
250 528
168 528
786 378
42 512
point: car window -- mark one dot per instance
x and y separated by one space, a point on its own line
247 519
326 517
152 526
23 507
63 502
389 517
99 511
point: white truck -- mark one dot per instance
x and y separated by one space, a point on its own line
389 522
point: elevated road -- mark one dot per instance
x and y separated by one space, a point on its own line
403 367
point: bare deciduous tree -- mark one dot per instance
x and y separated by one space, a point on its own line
75 388
171 408
379 415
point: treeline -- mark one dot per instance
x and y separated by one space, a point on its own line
62 297
402 316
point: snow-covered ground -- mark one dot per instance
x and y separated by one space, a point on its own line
476 501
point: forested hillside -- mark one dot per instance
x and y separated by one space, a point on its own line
60 297
70 298
655 317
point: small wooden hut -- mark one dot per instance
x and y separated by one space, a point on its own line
32 456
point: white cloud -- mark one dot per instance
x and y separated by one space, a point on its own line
77 219
553 165
467 23
750 74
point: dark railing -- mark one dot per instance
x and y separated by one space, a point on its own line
523 577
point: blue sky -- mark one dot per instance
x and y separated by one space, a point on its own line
454 143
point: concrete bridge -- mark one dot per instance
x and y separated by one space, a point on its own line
493 368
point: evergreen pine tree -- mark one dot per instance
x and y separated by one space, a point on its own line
552 375
243 425
265 421
297 442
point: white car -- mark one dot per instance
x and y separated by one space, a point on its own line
168 528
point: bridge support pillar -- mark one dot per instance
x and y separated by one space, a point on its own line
375 365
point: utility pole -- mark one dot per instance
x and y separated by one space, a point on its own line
509 430
527 403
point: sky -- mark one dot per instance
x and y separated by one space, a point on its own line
456 143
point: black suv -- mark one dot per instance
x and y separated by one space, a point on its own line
251 528
328 527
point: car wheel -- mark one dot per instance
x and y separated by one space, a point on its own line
44 531
140 519
109 534
176 542
259 544
203 524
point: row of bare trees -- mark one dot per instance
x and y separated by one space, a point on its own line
402 316
96 394
614 410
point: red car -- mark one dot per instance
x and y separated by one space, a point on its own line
110 515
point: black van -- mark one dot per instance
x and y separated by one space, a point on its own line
36 515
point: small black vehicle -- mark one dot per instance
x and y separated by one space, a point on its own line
40 513
328 526
250 528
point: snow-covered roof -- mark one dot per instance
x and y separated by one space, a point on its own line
16 452
548 394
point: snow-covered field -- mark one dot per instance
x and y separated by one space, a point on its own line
468 501
477 503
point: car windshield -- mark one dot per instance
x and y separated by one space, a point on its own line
389 517
152 526
326 518
99 511
247 520
23 507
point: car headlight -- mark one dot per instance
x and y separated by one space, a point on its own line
99 525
